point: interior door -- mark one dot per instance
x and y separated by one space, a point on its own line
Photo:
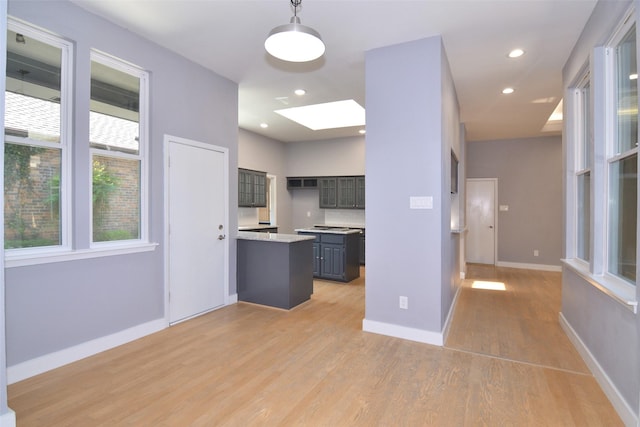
197 241
481 221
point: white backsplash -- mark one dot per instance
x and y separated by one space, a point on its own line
247 216
352 217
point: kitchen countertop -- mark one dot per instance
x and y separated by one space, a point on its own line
272 237
329 230
255 227
340 226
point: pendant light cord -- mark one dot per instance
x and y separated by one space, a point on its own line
296 5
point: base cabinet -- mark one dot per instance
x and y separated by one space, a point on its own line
336 256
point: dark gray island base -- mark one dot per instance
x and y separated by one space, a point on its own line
336 252
275 269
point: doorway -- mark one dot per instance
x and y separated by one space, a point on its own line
196 209
481 247
267 215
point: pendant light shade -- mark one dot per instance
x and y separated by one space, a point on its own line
294 42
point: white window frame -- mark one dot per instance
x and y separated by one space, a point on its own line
611 153
579 169
65 144
142 157
67 251
603 123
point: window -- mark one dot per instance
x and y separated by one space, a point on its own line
583 136
40 143
622 161
118 143
602 167
36 165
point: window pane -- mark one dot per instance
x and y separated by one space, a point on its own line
114 117
584 215
33 88
627 93
623 217
584 157
116 199
31 196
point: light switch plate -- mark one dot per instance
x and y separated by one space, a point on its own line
504 208
420 202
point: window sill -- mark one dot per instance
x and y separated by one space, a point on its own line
615 288
21 260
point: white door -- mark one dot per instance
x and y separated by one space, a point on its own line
197 228
481 221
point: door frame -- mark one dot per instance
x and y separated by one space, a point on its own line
495 213
169 139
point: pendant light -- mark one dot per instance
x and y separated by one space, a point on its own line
294 42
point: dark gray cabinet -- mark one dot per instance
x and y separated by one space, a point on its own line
360 187
306 183
336 256
252 188
342 192
328 192
350 192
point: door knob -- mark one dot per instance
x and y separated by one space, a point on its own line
491 226
221 237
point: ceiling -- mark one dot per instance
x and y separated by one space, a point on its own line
227 37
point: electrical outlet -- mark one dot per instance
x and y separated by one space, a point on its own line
536 252
404 303
308 214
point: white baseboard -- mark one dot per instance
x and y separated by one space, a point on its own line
449 319
542 267
628 416
233 299
54 360
404 332
8 419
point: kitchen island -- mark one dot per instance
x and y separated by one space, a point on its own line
336 252
275 269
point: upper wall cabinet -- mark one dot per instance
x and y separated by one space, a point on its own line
343 192
252 188
328 192
351 192
306 183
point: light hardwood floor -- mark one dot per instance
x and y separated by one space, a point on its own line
506 363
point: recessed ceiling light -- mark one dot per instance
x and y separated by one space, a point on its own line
330 115
633 76
299 92
516 53
362 131
264 125
508 90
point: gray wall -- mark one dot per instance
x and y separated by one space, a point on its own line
333 157
407 90
529 173
55 306
340 156
610 331
258 152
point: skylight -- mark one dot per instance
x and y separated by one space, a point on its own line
330 115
